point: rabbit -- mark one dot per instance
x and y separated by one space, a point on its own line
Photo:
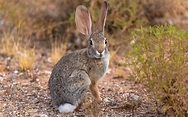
79 71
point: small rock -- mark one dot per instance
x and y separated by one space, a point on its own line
1 78
106 100
42 115
132 42
37 80
11 76
16 71
134 99
108 71
47 72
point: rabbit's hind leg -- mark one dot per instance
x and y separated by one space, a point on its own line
77 85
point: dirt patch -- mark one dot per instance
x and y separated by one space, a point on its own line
27 94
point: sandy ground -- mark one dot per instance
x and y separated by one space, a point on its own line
26 93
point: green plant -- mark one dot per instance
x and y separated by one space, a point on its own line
121 15
159 58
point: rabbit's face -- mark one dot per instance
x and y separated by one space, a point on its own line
97 46
97 42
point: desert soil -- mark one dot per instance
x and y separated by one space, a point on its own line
26 94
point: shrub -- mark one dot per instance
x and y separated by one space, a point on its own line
121 15
159 58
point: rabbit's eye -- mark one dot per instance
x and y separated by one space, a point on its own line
91 43
106 41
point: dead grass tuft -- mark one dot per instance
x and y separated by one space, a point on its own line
26 58
58 50
9 45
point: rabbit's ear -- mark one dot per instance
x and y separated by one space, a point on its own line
102 18
83 20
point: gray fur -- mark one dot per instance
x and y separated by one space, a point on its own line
74 73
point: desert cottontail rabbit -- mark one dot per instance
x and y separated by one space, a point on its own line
80 70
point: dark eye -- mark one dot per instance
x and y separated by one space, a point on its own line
106 41
91 43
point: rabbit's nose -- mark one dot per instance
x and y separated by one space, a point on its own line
101 52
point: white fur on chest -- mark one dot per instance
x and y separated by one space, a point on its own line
99 68
106 61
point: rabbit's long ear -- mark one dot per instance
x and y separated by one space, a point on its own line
102 18
83 20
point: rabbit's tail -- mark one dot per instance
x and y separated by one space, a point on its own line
66 108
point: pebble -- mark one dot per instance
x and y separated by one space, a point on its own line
47 72
133 98
43 115
1 78
16 71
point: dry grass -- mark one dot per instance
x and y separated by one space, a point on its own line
2 68
15 45
25 55
26 58
58 50
9 45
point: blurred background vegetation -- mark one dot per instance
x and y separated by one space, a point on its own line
159 58
29 25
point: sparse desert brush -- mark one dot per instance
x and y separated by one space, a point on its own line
159 58
13 13
121 15
9 46
58 50
155 9
26 58
13 45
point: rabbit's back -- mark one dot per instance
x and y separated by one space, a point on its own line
68 79
67 64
